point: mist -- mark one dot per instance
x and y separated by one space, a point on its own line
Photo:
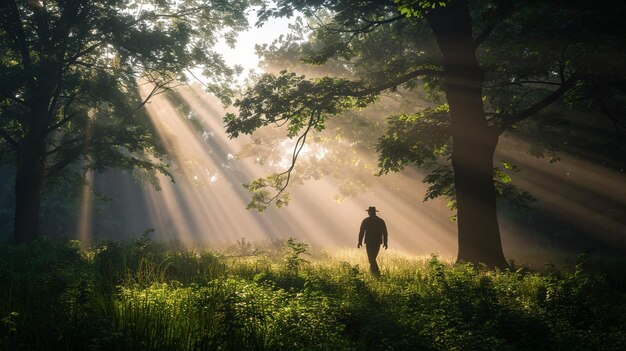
580 205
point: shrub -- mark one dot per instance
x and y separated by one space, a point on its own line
142 295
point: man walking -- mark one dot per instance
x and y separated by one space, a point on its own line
374 230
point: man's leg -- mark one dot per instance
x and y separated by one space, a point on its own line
372 253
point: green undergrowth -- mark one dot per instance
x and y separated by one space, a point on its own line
142 295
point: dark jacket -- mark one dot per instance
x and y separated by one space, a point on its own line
374 230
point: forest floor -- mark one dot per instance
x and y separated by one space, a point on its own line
145 295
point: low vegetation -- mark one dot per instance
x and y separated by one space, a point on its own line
144 295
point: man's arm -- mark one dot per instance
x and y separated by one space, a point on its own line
384 235
361 234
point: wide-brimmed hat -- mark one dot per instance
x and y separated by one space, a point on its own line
372 209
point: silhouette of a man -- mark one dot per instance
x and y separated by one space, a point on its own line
374 230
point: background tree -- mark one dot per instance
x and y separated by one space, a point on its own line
490 64
70 73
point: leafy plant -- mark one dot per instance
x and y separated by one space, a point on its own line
142 295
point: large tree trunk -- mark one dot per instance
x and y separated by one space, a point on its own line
474 141
29 178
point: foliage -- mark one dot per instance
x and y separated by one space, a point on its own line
422 140
497 64
289 98
293 261
140 295
301 104
417 8
419 139
533 55
76 76
104 48
261 197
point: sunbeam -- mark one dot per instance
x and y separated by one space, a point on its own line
85 230
206 204
585 197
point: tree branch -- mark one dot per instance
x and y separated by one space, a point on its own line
523 82
156 90
494 17
567 85
399 81
484 34
66 116
314 118
9 139
64 145
66 161
294 157
370 26
73 59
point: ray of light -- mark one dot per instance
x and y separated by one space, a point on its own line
586 196
85 223
206 205
311 210
85 229
207 202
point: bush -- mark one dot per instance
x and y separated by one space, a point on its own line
142 295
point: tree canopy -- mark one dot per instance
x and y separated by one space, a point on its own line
71 73
487 66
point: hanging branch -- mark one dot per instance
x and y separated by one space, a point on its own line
315 116
555 95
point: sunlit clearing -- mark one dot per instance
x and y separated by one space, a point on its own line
207 203
391 257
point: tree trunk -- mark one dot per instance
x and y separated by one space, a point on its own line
474 141
29 179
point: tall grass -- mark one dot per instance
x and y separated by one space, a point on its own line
142 295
